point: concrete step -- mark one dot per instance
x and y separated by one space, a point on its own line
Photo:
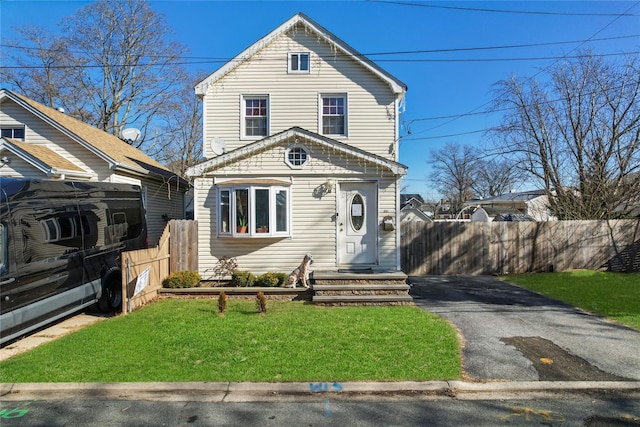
355 299
365 287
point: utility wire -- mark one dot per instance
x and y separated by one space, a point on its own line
539 72
266 60
205 59
520 12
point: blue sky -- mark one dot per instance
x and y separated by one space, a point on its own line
441 84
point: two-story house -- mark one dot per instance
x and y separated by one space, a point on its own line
40 142
301 141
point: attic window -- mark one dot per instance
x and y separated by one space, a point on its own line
13 132
296 157
299 62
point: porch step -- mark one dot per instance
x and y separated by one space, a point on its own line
362 299
354 287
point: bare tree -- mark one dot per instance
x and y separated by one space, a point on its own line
454 169
579 135
112 67
179 143
494 177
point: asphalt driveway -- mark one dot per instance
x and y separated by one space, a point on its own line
511 333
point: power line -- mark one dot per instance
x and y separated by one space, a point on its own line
547 67
206 59
517 46
520 12
266 59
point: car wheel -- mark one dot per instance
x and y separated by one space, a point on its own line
111 299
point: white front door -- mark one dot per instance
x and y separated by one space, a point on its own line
357 223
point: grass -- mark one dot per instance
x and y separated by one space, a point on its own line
612 295
186 340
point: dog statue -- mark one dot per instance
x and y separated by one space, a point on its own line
301 273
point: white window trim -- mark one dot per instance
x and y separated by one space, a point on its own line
290 63
344 95
251 229
243 122
291 147
13 129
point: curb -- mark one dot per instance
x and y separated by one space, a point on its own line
262 392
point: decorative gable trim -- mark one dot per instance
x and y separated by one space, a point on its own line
263 144
396 85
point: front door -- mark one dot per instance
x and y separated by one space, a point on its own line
357 223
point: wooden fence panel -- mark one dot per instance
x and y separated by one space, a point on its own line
176 251
184 245
134 272
518 247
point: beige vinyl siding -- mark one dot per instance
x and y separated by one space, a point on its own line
294 98
313 229
322 160
387 240
18 168
162 198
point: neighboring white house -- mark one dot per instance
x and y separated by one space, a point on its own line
39 142
520 206
301 141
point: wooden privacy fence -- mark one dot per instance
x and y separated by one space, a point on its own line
144 270
519 247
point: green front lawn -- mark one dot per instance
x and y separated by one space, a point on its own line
612 295
186 340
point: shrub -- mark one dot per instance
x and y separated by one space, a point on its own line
282 278
242 278
261 303
182 279
268 280
222 303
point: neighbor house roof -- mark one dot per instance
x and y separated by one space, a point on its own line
301 19
255 147
406 198
523 196
43 158
116 152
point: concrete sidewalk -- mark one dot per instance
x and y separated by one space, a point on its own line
43 336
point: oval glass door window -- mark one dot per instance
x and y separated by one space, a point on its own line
357 212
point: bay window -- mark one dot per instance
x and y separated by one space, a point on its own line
253 211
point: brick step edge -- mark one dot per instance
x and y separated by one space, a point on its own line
373 287
361 298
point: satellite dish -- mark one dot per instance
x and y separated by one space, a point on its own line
218 146
131 135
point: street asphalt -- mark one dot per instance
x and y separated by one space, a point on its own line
514 342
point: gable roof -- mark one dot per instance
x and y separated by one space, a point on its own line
523 196
255 147
405 198
42 158
117 153
301 19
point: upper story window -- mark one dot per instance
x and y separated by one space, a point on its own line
13 132
334 115
255 116
299 62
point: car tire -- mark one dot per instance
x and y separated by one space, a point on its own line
111 299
